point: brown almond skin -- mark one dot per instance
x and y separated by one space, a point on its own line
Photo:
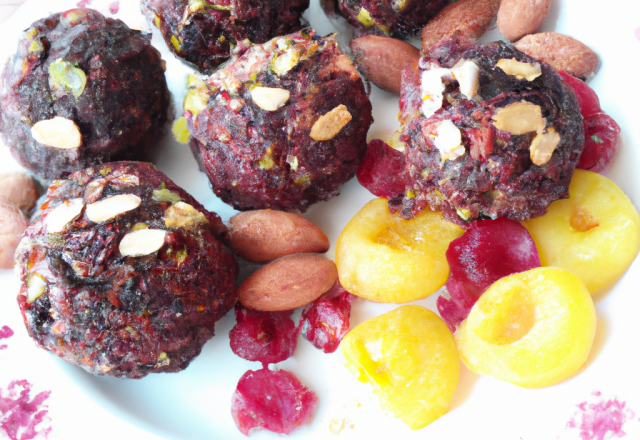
382 59
265 235
517 18
18 188
288 283
470 18
12 225
561 52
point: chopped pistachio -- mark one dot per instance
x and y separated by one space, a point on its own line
63 77
36 287
597 139
183 215
365 18
464 214
104 171
175 42
180 130
197 95
36 46
293 162
139 226
302 180
164 195
266 163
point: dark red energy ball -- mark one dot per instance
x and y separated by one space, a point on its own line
202 32
283 125
124 273
81 90
400 18
490 132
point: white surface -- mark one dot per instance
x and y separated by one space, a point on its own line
195 404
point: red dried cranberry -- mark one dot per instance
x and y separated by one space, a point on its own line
382 171
267 337
601 135
326 321
587 97
601 132
273 400
488 251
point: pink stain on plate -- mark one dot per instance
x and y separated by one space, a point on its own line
114 7
21 417
602 420
84 3
5 332
637 33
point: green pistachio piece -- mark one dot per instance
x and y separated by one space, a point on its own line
64 77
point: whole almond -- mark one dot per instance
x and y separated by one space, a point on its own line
288 283
265 235
12 225
382 59
561 52
517 18
470 18
18 188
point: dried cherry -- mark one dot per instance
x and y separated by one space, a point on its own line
273 400
383 170
489 250
326 321
267 337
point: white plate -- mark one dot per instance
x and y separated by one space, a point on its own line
195 404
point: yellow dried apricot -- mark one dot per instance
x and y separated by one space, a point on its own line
595 233
384 258
533 329
410 358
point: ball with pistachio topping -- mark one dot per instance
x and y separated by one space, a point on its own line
82 89
124 273
203 32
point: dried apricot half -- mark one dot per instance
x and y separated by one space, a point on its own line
384 258
533 329
410 358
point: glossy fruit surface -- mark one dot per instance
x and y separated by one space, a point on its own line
533 329
384 258
594 234
410 358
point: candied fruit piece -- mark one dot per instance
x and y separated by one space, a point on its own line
601 136
267 337
384 258
488 250
382 171
410 358
273 400
533 329
595 233
326 321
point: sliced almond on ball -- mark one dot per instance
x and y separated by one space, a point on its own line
58 218
183 215
520 70
58 132
519 118
448 141
466 73
111 207
543 146
36 285
142 242
330 124
270 98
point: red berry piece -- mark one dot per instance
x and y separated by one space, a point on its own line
267 337
601 136
587 98
601 132
382 171
273 400
488 250
326 321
